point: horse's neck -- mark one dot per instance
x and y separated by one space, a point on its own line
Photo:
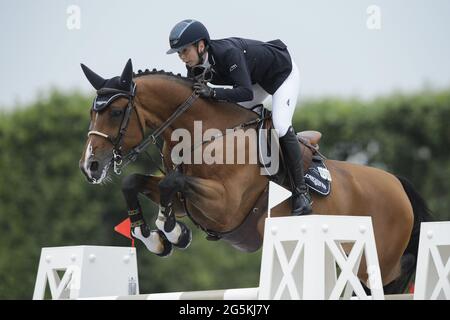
221 115
171 93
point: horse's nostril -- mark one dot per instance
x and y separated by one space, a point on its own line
94 166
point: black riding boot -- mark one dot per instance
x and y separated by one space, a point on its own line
301 200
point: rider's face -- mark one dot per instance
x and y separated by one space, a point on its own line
190 55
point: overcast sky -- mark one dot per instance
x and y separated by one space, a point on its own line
337 53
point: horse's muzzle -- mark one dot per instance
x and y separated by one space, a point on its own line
95 170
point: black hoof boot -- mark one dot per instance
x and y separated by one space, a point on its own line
185 237
171 221
168 248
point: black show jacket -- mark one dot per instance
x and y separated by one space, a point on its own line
243 62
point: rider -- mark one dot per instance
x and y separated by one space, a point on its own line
255 69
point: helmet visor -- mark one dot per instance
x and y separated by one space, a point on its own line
179 49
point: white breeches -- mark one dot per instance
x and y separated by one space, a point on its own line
284 100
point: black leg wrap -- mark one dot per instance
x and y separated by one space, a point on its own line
171 221
137 220
145 230
167 245
185 237
168 187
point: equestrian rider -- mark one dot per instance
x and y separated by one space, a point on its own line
255 69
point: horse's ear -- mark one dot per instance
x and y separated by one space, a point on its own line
96 81
127 75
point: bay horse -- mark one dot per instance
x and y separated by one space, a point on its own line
227 200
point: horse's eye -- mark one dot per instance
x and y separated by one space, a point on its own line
116 112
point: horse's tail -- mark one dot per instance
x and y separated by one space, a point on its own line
421 214
409 259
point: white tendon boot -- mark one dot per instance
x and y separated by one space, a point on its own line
180 236
156 242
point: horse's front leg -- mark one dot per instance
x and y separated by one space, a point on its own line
132 185
175 231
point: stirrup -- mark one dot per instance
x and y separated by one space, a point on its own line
302 189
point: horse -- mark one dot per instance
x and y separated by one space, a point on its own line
229 201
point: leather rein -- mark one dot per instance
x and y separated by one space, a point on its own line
118 158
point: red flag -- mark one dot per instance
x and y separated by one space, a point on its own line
124 228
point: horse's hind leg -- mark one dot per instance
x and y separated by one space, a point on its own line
400 284
154 240
175 231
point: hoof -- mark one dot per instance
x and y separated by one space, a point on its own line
185 237
168 248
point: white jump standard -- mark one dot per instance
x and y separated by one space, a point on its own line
88 271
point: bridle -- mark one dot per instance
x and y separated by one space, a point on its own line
116 141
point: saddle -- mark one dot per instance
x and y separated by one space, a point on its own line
308 140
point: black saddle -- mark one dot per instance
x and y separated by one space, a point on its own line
317 175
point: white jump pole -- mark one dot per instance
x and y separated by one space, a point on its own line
226 294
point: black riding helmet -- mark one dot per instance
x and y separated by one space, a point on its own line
185 33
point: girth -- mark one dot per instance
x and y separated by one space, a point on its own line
244 237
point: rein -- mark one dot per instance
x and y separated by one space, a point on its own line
119 161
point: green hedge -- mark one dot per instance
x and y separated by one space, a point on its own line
45 200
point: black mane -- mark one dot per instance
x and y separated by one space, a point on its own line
178 76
